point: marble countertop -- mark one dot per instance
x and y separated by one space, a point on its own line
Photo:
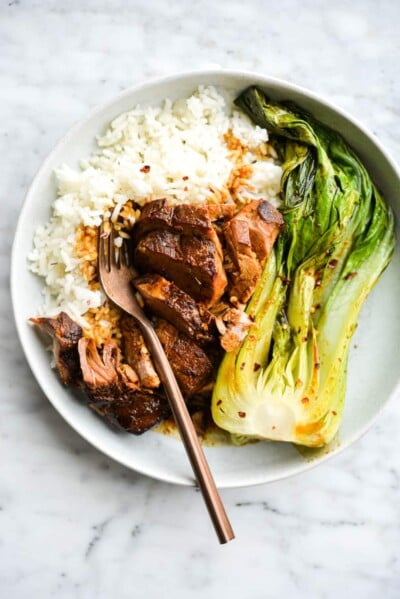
74 524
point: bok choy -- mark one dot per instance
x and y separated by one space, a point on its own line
287 380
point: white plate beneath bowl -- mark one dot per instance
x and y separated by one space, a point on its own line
374 370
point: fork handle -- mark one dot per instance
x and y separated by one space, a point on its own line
189 437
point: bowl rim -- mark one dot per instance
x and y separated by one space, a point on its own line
98 109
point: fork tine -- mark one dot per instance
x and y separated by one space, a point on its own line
124 254
113 250
102 257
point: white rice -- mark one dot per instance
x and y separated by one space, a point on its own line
182 142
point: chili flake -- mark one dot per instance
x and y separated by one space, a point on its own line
350 275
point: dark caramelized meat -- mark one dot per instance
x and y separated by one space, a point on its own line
112 394
136 353
250 236
192 263
65 334
181 243
166 300
191 366
189 219
137 411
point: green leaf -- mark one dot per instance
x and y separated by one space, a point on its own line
287 381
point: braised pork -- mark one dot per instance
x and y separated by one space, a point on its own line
137 412
250 236
166 300
65 334
188 219
136 353
192 263
112 395
99 372
191 365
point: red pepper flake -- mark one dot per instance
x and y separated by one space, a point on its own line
256 367
242 414
317 365
243 364
317 306
305 400
284 280
350 275
219 402
333 263
304 339
334 413
145 169
185 188
185 178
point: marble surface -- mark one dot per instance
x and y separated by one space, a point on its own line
74 524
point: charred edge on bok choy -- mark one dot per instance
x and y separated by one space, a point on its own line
287 380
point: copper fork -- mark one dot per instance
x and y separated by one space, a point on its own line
115 274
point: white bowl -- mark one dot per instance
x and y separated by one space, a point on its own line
373 369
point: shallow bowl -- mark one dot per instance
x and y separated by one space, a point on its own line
373 374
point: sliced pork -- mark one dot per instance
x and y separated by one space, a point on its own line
166 300
191 365
112 395
192 263
250 236
188 219
137 412
65 334
136 353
